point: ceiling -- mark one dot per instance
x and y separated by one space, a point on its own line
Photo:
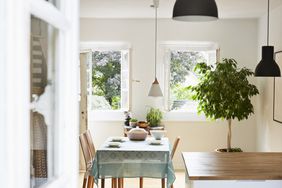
141 8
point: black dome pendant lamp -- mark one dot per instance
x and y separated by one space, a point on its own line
267 67
195 10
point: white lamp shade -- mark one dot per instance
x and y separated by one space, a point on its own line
155 90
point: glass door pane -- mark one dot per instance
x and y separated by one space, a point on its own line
43 87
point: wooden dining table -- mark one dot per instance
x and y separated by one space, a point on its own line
134 159
233 169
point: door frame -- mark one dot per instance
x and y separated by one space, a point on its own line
15 93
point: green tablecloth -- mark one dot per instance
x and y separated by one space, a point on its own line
134 159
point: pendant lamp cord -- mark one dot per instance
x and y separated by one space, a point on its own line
268 23
156 31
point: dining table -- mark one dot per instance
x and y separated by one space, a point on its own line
134 159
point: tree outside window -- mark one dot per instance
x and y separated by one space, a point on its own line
108 79
182 75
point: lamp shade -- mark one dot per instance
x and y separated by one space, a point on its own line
195 10
267 67
155 90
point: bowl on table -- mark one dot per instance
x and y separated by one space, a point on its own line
158 134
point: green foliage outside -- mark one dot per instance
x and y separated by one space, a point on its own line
224 92
182 64
106 76
154 117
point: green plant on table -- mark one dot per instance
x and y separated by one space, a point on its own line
133 120
154 117
224 92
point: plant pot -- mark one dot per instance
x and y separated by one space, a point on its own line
143 124
133 124
222 150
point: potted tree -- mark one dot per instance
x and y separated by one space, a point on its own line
224 92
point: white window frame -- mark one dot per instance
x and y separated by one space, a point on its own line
109 115
15 93
165 52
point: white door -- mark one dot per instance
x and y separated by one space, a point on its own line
85 75
39 93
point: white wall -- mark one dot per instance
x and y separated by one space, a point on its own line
269 132
237 39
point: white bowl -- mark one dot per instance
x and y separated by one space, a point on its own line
158 134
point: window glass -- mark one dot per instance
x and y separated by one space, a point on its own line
110 80
43 86
182 75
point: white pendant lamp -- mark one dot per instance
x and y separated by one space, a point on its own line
155 90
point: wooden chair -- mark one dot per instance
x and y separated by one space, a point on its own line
92 150
88 161
175 144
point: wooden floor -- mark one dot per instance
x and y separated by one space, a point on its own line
148 183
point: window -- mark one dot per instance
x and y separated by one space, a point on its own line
110 77
180 63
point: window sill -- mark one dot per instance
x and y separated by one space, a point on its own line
107 115
183 116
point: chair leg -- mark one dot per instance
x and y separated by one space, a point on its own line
171 186
90 183
114 182
141 182
84 182
163 182
120 182
103 183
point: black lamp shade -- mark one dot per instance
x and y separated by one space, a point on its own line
195 10
267 67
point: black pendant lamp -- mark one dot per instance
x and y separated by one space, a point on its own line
195 10
267 67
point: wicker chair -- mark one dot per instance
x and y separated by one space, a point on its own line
88 161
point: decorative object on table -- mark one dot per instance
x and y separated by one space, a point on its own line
127 118
114 144
224 92
143 124
133 122
154 117
137 134
277 92
155 142
267 67
158 134
195 10
155 90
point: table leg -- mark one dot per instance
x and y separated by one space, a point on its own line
141 182
103 183
163 182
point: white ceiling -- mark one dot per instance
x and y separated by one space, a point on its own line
141 8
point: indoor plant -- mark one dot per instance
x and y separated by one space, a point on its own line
133 122
224 92
154 117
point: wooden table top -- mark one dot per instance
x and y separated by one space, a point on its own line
233 166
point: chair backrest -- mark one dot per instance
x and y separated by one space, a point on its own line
85 149
90 143
175 146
